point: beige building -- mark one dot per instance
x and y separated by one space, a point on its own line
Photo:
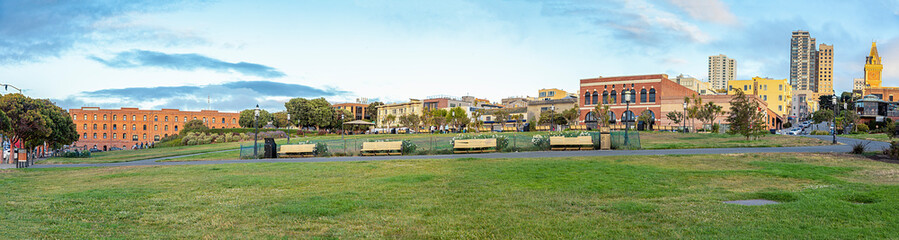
803 62
553 94
703 88
515 102
721 71
858 86
825 69
538 106
414 106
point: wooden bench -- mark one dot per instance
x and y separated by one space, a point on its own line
571 143
301 150
474 145
424 131
484 129
578 127
542 128
605 129
381 148
510 129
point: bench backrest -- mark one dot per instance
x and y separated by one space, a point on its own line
382 146
579 140
299 148
475 143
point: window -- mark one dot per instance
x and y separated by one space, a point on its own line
85 135
95 116
780 107
166 127
595 97
204 119
114 127
145 136
85 117
104 117
605 97
185 119
155 127
114 136
156 138
85 126
156 118
643 95
133 118
166 118
95 135
780 87
745 88
213 119
176 128
587 98
104 126
652 95
233 120
614 97
133 127
124 136
765 97
145 117
114 117
134 137
124 117
95 126
145 129
223 120
176 118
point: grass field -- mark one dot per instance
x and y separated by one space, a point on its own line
436 142
825 196
868 136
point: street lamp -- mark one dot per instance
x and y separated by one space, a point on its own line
288 128
552 118
627 115
453 114
834 131
684 117
256 132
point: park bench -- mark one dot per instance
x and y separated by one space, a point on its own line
484 129
510 129
571 143
542 128
382 148
578 127
300 150
401 131
424 131
474 145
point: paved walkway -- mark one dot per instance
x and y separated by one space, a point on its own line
842 148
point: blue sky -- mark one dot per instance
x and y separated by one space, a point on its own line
232 55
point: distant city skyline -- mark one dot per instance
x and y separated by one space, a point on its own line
236 54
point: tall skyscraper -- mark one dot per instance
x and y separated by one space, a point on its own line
721 71
803 61
825 69
873 67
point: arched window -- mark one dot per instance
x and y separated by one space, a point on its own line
166 127
114 136
590 117
628 116
85 135
587 98
652 115
133 117
204 119
652 95
104 126
643 95
176 118
114 127
104 117
133 127
223 120
75 117
156 118
134 137
166 135
185 119
145 127
104 135
124 136
124 117
612 117
114 117
233 120
176 128
155 127
605 97
166 118
95 116
613 97
145 136
213 120
156 138
145 117
95 126
85 116
95 135
85 126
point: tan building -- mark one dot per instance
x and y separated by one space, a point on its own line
825 69
358 109
721 71
414 106
126 127
676 103
515 102
538 106
776 92
803 62
703 88
551 93
858 86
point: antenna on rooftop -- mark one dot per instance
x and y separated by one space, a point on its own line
208 102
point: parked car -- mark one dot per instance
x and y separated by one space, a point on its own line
93 150
795 131
115 149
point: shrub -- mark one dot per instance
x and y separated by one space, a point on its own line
321 150
716 128
820 132
186 139
192 142
862 128
787 125
859 147
892 151
408 147
540 141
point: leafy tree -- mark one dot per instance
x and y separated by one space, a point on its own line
456 116
709 112
390 119
822 115
280 119
500 115
63 129
571 115
28 124
550 117
372 110
825 102
246 118
517 118
311 113
646 118
438 117
745 118
675 117
476 116
195 125
602 114
414 121
848 118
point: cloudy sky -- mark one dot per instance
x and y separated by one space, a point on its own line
232 55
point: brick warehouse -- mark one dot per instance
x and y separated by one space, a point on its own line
126 127
646 91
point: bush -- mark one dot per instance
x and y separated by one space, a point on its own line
321 150
892 151
408 147
820 132
862 128
787 125
859 147
78 154
540 141
716 128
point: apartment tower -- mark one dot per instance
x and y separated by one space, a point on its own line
825 69
721 71
803 62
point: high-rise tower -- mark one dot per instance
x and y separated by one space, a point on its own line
803 62
721 70
825 69
873 67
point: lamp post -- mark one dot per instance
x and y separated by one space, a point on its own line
256 132
288 128
453 114
627 116
684 117
552 118
834 131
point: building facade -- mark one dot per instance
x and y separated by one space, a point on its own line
721 71
703 88
442 102
858 86
414 106
675 104
551 94
803 61
515 102
358 109
127 127
645 91
536 107
825 69
777 93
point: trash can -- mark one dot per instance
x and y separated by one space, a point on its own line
270 149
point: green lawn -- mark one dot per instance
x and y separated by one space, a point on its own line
868 136
671 140
832 196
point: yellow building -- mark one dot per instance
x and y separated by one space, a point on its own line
551 94
825 69
777 93
873 67
414 106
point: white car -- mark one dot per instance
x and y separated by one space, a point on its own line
795 131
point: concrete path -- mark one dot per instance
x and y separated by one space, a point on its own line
841 148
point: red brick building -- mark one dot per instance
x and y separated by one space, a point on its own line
126 127
646 94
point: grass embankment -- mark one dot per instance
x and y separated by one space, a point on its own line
868 136
142 154
825 196
670 140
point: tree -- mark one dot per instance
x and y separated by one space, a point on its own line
438 117
63 129
476 115
708 113
280 119
390 119
822 115
500 115
694 110
311 113
246 118
825 102
33 122
414 121
602 114
550 117
745 117
455 116
646 118
372 110
571 115
675 117
517 118
195 125
848 118
404 121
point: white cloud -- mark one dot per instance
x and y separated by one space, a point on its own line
707 10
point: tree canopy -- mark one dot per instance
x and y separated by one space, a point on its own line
35 121
246 118
195 125
745 118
